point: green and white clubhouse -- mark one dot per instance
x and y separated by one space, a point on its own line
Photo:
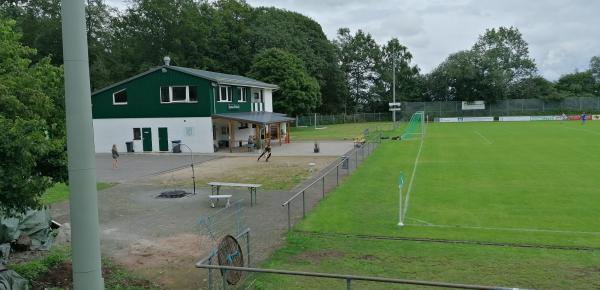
205 110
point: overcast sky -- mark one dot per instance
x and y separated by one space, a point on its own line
562 35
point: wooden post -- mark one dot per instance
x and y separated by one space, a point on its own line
229 135
288 131
279 132
257 136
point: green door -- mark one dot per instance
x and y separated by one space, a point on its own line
163 139
147 139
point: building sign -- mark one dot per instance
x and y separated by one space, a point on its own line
395 106
474 105
233 106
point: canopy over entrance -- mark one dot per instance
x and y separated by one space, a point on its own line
259 118
265 127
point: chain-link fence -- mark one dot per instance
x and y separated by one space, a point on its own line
316 120
227 221
510 107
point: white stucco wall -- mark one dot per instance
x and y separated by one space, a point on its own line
119 131
268 98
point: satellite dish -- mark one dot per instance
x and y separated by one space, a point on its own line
230 254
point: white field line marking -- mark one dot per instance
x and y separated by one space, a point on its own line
505 229
421 221
483 137
412 178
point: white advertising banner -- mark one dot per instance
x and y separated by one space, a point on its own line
477 119
546 118
448 120
515 118
466 119
474 105
596 117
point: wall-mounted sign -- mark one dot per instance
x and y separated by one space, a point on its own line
474 105
395 106
233 106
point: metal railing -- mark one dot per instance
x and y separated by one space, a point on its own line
355 156
207 262
350 278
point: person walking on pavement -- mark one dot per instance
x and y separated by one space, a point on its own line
115 156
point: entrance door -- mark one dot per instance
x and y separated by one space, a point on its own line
147 139
163 139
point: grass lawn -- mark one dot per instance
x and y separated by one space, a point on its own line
60 192
347 131
524 183
53 271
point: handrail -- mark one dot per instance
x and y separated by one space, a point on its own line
315 181
213 253
349 278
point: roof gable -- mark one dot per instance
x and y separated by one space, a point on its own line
220 78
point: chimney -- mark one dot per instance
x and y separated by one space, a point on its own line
167 60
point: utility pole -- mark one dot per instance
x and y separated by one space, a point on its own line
85 241
394 88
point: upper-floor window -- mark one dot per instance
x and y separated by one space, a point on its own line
120 97
179 94
225 94
242 94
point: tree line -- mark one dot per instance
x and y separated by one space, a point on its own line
351 73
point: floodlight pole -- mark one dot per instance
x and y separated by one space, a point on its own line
394 89
85 242
192 164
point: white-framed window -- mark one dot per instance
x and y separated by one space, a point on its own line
178 94
120 97
225 94
242 95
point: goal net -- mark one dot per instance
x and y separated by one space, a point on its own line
415 125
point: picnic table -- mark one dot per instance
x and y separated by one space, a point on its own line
216 187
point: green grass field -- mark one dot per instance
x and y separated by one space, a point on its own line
60 192
336 132
521 184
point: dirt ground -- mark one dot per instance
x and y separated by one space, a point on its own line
161 239
280 173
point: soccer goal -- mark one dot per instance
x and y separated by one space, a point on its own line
416 125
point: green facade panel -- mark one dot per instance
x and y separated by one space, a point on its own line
143 98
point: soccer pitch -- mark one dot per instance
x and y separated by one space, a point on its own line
535 182
511 204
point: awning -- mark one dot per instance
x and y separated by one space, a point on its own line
262 118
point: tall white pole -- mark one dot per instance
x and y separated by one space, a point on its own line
85 241
394 89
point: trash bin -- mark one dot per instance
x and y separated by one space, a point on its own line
345 162
176 144
129 146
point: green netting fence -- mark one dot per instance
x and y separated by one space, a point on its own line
414 127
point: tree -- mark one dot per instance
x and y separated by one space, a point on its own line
578 84
395 55
489 71
32 127
359 55
502 57
595 67
298 92
302 36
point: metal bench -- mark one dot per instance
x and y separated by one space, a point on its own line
216 187
217 197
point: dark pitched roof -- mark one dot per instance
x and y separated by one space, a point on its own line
225 79
255 117
220 78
